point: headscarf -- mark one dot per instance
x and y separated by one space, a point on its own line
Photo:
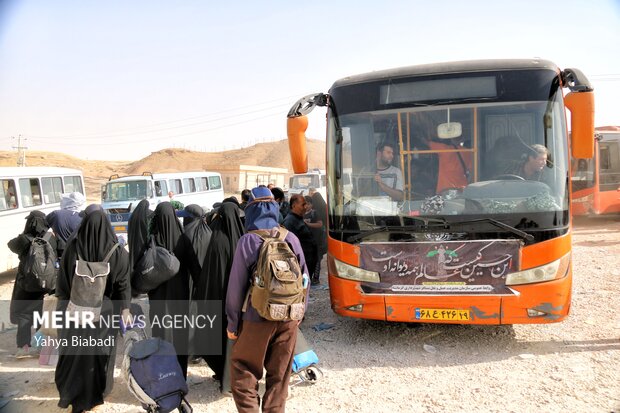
319 205
72 201
165 226
228 222
36 224
91 208
263 211
95 237
138 230
192 213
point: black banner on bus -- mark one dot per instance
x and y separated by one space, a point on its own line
448 267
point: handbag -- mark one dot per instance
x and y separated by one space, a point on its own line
156 266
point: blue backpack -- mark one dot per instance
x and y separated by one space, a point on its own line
155 376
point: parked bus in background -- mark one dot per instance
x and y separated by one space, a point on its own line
301 183
475 227
120 195
596 181
26 189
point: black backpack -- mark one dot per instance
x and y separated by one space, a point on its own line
40 266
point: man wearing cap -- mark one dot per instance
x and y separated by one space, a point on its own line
259 343
66 220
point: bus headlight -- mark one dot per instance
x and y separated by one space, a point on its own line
547 272
350 272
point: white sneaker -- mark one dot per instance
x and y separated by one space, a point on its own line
23 353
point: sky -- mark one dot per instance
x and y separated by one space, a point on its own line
117 79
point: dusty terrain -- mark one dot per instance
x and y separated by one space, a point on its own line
373 366
170 160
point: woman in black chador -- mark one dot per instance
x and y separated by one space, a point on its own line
84 374
226 228
24 303
138 230
170 299
194 240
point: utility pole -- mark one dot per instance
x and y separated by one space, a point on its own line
21 151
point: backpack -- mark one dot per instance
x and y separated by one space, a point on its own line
88 286
41 266
153 374
277 291
156 266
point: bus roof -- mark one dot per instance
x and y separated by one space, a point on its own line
449 67
16 171
165 175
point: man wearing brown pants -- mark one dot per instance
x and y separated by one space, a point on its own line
268 343
259 343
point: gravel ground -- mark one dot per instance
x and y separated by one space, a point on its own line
372 366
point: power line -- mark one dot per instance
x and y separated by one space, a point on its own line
119 132
126 142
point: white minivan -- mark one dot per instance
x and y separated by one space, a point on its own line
301 183
120 195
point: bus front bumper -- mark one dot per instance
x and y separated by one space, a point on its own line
546 302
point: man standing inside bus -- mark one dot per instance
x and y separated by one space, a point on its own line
386 176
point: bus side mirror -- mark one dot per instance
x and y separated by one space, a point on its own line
296 130
581 106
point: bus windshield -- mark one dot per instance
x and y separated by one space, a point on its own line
305 181
127 191
455 148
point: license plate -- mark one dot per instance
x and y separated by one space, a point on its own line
442 314
120 229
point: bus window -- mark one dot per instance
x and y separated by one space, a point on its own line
202 184
161 188
189 185
175 186
583 174
215 182
30 191
7 194
73 184
52 189
609 155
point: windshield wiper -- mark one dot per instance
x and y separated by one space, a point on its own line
500 224
396 228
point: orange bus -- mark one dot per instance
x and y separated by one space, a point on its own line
596 181
435 212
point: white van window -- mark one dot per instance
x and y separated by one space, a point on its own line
73 184
215 182
7 194
175 186
30 192
52 189
161 188
189 185
203 183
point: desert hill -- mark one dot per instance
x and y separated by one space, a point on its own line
272 154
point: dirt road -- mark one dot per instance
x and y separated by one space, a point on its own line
573 366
